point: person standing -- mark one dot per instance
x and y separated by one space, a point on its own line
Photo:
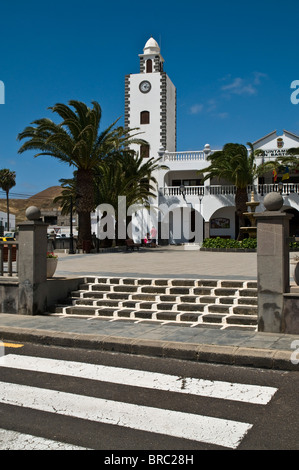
154 235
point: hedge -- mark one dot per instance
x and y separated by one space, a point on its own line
229 243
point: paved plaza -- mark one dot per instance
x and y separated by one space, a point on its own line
165 262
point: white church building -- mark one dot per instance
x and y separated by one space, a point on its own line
186 209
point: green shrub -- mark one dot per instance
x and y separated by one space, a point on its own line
247 243
294 246
228 243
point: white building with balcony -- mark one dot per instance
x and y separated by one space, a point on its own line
3 221
186 209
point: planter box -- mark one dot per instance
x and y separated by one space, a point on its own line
51 266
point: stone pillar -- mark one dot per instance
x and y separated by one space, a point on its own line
32 266
206 229
273 267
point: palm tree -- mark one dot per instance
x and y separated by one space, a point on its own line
234 164
77 141
128 175
67 198
7 181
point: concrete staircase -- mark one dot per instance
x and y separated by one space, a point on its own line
197 303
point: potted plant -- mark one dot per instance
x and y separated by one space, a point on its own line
52 260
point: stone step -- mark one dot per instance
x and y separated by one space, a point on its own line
173 288
248 292
164 302
200 303
88 297
172 282
96 308
192 317
247 300
241 320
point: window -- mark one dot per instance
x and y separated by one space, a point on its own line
50 219
191 182
195 182
144 150
144 117
149 66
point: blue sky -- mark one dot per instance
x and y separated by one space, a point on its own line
232 63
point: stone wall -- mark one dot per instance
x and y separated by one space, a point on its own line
291 313
9 289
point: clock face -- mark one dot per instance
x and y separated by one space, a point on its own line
145 86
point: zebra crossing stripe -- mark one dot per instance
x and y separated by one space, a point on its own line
221 432
12 440
213 389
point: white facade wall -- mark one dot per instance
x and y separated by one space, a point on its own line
3 221
277 144
170 115
146 102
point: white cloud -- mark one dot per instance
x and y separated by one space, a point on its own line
196 108
209 109
239 87
230 86
258 76
222 115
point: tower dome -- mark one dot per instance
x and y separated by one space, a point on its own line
151 47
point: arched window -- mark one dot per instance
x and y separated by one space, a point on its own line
144 117
149 66
144 151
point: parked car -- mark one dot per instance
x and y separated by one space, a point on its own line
9 236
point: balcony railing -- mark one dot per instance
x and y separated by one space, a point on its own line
221 189
188 191
8 258
287 188
217 190
184 156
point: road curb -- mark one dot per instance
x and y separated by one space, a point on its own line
219 354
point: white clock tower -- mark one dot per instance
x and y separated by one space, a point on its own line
150 103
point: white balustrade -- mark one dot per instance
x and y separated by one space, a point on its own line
222 189
188 191
215 190
287 188
185 156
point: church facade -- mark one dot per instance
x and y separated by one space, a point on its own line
186 209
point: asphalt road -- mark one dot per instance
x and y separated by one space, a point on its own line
115 402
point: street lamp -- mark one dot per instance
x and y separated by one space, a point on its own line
200 197
71 249
280 186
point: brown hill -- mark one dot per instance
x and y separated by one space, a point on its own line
43 200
